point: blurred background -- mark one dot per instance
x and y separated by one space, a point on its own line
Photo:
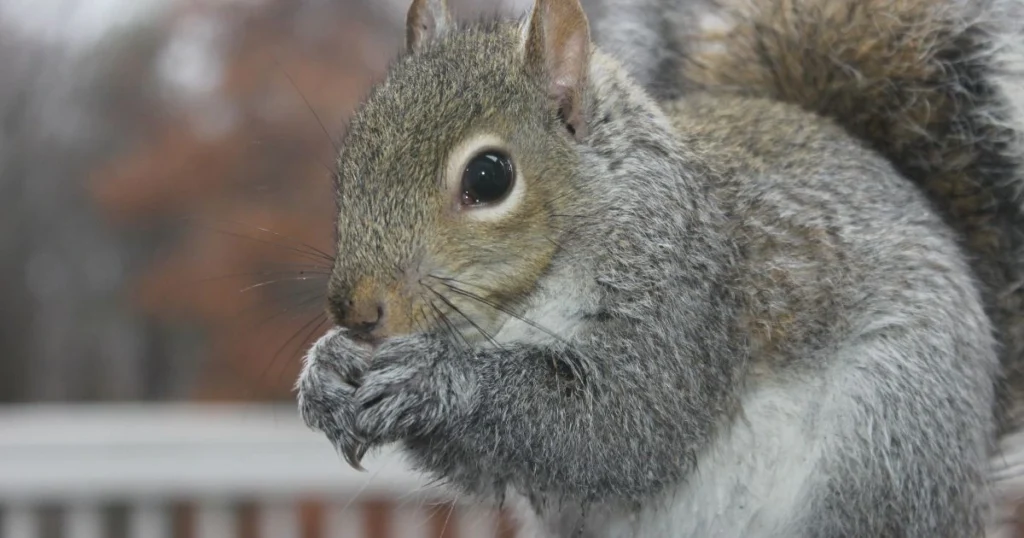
165 236
167 214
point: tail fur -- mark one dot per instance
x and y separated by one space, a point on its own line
935 86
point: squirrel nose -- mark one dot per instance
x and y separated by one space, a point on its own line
362 317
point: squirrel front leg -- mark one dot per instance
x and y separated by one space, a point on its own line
606 418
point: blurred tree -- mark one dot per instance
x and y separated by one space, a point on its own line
244 152
151 171
66 332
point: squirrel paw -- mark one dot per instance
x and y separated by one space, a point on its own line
410 388
333 369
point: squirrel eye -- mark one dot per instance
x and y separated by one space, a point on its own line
487 179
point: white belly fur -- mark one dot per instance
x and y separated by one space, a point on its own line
751 482
748 484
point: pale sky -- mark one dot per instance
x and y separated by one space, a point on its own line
77 23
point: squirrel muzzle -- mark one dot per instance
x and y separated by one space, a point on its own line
371 311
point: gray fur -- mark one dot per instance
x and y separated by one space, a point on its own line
647 37
740 287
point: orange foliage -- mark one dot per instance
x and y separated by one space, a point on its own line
218 195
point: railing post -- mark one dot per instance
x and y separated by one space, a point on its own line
148 520
345 520
19 522
278 519
411 520
84 519
216 518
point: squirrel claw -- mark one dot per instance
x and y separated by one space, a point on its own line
354 456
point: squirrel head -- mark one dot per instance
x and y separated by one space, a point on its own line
454 170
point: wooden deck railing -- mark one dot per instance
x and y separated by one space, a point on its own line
235 472
196 471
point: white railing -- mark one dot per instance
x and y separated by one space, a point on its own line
83 459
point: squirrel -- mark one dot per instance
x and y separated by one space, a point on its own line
763 282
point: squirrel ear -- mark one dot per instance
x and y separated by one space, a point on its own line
426 20
557 49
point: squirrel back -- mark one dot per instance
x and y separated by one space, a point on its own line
935 87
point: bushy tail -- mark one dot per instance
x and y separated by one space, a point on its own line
937 86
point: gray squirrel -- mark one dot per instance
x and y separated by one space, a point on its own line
765 281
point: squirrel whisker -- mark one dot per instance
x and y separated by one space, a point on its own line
458 311
446 281
456 336
296 245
